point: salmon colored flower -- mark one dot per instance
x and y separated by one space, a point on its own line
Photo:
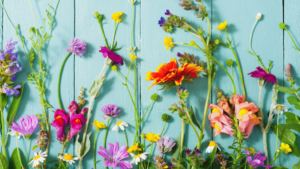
219 120
168 42
117 16
169 74
222 26
237 99
225 106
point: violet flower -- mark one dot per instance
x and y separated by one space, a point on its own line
178 54
26 126
188 151
161 21
11 91
76 47
60 121
13 69
260 72
115 157
167 12
257 161
165 144
110 110
76 121
111 55
8 49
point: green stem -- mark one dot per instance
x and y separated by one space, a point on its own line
103 34
292 40
277 132
59 80
19 156
3 133
113 40
276 157
107 125
125 138
36 36
27 153
181 138
94 148
146 112
149 159
163 128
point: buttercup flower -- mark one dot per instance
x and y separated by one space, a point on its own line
168 42
26 126
257 161
260 72
76 122
115 157
152 137
192 43
138 158
211 147
222 26
38 158
279 108
132 57
117 16
134 148
165 144
120 125
114 67
76 47
161 22
285 148
110 110
111 55
68 158
60 121
219 121
98 125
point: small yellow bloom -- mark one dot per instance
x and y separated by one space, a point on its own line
98 125
152 137
132 57
134 148
285 148
192 43
252 151
222 26
168 42
114 67
117 16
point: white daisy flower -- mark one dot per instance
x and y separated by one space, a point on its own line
138 158
15 133
68 158
258 16
279 108
38 158
120 125
211 147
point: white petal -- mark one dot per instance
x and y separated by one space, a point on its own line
124 124
116 128
121 127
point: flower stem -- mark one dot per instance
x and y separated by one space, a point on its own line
113 40
59 81
296 47
101 27
105 136
181 138
277 132
27 153
125 138
19 156
149 159
163 129
3 133
94 150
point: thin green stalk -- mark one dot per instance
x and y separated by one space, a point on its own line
94 148
146 112
150 155
125 138
104 37
59 80
163 129
296 47
19 156
36 35
181 137
113 40
105 136
277 133
3 133
27 153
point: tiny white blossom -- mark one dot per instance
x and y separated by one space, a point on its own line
138 158
120 125
279 108
38 158
258 16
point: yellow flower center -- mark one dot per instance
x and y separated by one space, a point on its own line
216 110
119 123
252 151
212 144
37 157
279 106
217 127
243 112
137 156
68 157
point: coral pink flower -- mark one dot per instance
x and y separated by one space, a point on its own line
60 121
219 120
76 121
237 99
224 104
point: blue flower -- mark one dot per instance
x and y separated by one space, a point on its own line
11 91
161 21
8 49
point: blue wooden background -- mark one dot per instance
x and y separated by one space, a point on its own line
74 18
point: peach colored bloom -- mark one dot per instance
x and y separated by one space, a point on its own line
224 104
219 120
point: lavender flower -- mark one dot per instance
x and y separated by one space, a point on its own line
188 151
8 49
257 161
13 68
42 139
159 161
76 47
26 126
165 144
11 91
167 12
110 110
161 21
178 54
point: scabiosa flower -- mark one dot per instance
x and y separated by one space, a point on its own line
165 144
115 157
110 110
76 122
76 47
42 139
60 121
260 72
167 12
161 22
26 126
257 161
111 55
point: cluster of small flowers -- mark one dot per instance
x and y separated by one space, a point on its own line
195 158
42 139
288 74
220 159
160 162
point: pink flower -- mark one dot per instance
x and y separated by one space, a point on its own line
72 108
219 120
76 47
76 121
26 126
260 72
224 104
60 121
237 99
111 55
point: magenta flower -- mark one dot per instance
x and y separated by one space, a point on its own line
60 121
72 108
76 47
167 12
76 121
111 55
110 110
26 126
115 157
257 161
165 144
260 72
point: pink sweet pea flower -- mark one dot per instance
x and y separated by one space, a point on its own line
260 72
111 55
76 121
219 120
60 121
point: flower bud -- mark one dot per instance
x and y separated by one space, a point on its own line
261 81
258 16
114 67
192 43
165 117
154 97
96 14
282 25
143 135
217 41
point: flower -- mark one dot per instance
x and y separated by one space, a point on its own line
260 72
258 16
154 97
134 148
68 158
237 99
222 26
252 151
110 110
42 139
76 47
165 144
117 16
120 125
38 158
114 67
138 158
279 108
76 122
115 157
60 121
8 49
14 67
111 55
15 133
188 151
178 54
160 162
11 91
165 117
161 22
167 12
168 42
26 126
132 57
288 71
285 148
219 121
257 161
72 108
211 147
168 73
192 43
98 125
152 137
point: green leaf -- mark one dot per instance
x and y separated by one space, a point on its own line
284 134
292 100
3 100
210 159
14 107
279 167
285 90
291 118
15 161
85 148
176 149
291 126
152 166
297 165
194 120
3 162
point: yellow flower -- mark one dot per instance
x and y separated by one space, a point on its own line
192 43
134 148
168 42
116 16
132 57
114 67
285 148
252 151
152 137
222 26
98 125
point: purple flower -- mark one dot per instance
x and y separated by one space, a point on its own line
111 55
170 165
115 157
60 121
110 110
13 77
260 72
178 54
257 161
197 151
8 49
76 47
13 68
182 88
11 91
167 12
26 126
72 108
161 21
165 144
188 151
76 121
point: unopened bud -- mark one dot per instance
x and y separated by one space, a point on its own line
258 16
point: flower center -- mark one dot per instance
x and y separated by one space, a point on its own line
119 123
77 121
243 112
216 110
37 157
279 106
137 156
212 144
60 120
68 157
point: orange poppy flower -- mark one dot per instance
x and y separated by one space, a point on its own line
169 74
